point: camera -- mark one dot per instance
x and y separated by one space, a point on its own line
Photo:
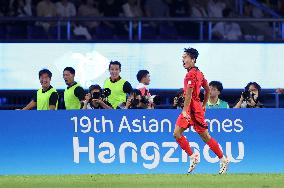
246 95
179 100
104 93
135 100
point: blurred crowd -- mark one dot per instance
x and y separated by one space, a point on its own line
131 8
142 8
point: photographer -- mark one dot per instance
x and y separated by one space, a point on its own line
136 101
250 97
178 100
97 98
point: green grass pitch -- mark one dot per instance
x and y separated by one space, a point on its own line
143 180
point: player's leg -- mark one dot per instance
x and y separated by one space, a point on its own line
181 125
202 130
181 140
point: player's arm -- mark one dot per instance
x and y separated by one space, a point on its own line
186 103
206 93
53 101
80 94
30 106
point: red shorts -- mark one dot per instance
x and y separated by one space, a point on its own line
196 120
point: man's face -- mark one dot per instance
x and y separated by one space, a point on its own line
44 80
68 77
187 61
214 92
114 71
146 79
95 91
253 90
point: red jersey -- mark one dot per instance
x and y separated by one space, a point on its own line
194 79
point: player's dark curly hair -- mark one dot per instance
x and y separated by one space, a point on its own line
255 85
192 52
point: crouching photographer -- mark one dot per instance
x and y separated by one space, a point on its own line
250 97
136 101
178 100
97 98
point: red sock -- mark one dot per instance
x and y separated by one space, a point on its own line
184 144
214 146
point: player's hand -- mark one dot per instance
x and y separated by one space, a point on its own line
185 115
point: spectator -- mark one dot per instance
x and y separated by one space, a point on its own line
132 9
20 8
46 8
46 97
118 86
227 30
250 97
64 8
96 99
156 8
198 10
214 101
89 8
74 94
215 8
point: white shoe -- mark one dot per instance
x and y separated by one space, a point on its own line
224 165
193 162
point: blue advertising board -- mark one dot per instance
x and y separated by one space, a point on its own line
136 141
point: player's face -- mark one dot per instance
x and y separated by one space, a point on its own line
214 91
68 77
187 61
114 71
147 79
44 81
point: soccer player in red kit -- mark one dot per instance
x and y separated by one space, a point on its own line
193 112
